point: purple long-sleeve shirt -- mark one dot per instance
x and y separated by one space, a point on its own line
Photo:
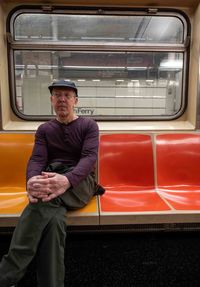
74 144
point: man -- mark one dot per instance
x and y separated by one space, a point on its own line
59 177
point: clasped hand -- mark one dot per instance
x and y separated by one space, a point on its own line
46 186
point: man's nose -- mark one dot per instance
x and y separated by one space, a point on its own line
62 98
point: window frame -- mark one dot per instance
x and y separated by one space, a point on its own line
134 47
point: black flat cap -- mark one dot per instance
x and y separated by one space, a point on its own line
63 84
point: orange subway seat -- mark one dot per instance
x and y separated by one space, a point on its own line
88 215
178 162
12 203
126 171
15 150
91 207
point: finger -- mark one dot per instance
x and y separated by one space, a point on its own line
44 180
49 197
38 194
36 178
36 185
39 188
41 176
44 174
49 174
32 199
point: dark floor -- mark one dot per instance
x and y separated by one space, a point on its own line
125 260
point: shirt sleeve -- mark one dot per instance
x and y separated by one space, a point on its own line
89 155
39 158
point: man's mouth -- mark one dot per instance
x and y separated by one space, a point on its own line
62 107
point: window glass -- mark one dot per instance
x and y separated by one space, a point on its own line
126 66
109 84
98 28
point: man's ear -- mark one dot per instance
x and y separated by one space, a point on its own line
76 100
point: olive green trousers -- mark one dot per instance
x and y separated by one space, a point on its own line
41 232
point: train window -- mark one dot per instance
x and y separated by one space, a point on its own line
97 29
127 65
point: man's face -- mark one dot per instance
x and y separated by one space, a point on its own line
63 101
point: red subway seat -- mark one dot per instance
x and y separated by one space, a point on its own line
126 170
178 176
